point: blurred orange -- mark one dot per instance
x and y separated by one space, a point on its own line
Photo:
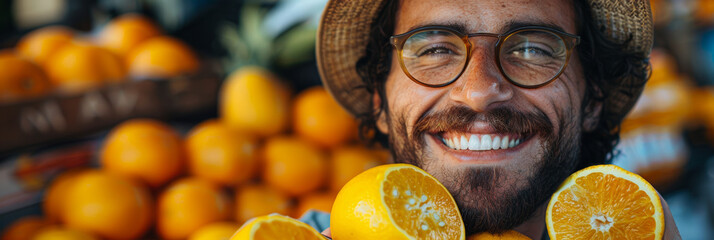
349 161
41 44
221 155
24 228
293 165
189 204
319 118
664 68
215 231
161 57
146 149
703 110
56 193
126 32
109 205
21 78
321 201
255 200
59 233
704 11
254 100
80 66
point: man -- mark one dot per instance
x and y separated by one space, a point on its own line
500 100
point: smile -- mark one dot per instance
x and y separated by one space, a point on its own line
479 142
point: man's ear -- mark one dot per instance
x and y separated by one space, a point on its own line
381 120
591 116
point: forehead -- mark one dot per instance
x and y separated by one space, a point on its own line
484 15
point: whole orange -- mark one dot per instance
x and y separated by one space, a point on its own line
60 233
255 200
109 205
56 193
189 204
221 155
21 78
80 66
254 100
321 201
293 165
42 43
146 149
127 31
161 57
319 118
24 228
349 161
215 231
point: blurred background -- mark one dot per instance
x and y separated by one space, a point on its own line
176 119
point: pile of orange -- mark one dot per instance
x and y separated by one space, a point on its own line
266 153
59 59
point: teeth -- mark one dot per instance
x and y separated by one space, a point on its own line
476 142
486 142
464 143
473 142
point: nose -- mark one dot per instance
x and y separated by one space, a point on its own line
481 86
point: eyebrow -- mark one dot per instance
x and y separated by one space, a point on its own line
510 25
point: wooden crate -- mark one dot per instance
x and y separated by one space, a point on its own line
57 117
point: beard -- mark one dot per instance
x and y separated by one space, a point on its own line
493 199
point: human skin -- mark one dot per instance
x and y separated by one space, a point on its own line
481 89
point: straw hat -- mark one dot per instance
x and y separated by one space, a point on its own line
344 31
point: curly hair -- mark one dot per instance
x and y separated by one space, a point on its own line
605 64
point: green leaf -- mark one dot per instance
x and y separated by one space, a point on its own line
295 46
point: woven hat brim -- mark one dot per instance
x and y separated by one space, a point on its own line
345 26
625 20
341 41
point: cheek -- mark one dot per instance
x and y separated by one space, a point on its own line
562 99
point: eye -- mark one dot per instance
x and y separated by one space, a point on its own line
531 50
436 50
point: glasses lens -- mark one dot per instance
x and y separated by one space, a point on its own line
532 57
434 57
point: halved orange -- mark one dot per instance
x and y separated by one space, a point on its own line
276 226
395 201
605 202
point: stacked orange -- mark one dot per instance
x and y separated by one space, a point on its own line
21 78
129 46
275 159
308 149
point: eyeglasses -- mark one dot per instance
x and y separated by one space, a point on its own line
529 57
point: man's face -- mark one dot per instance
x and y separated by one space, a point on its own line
496 189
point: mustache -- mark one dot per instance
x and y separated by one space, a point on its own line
503 119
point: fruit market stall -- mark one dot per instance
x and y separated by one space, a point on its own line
183 120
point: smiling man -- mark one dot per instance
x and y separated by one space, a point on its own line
500 100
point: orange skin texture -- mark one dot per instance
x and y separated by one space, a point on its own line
145 149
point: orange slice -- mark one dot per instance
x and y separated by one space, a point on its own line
605 202
395 201
276 226
508 235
